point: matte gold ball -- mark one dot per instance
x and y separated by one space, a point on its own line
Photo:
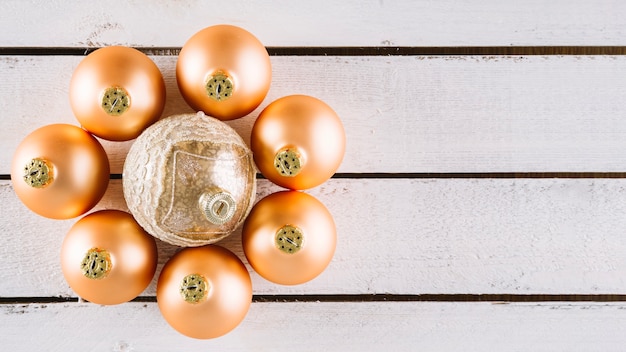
116 92
204 292
107 258
60 171
298 142
224 71
289 237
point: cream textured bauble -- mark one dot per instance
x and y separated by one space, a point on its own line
189 180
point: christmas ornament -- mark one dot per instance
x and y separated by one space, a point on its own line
107 258
289 237
116 92
60 171
189 180
204 292
298 142
224 71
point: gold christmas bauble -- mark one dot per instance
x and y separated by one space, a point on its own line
116 92
60 171
224 71
204 292
189 180
289 237
298 142
107 258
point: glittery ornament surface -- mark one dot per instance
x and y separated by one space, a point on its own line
176 164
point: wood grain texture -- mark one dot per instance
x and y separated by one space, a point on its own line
486 236
320 23
538 112
374 326
401 114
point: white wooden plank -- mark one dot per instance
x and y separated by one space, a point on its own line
374 326
401 114
320 23
444 236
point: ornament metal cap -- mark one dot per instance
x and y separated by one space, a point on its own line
289 239
96 264
194 288
219 86
218 206
115 101
38 173
288 162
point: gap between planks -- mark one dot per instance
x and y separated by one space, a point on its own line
450 175
352 51
494 298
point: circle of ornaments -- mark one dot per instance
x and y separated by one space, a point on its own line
194 288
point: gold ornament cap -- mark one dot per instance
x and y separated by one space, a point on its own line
288 162
194 288
218 206
96 264
115 101
289 239
219 86
38 173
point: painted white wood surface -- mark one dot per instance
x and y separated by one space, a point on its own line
376 326
401 114
445 236
317 23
